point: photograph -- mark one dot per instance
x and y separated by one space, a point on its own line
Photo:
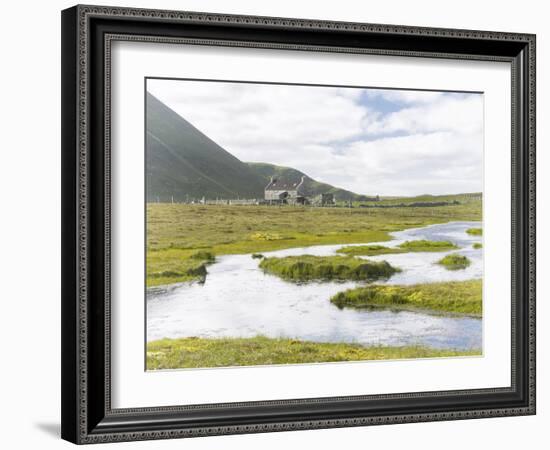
301 223
276 220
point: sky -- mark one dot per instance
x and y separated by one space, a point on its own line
369 141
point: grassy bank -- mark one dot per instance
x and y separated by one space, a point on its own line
405 247
307 268
187 269
197 352
454 262
460 297
177 231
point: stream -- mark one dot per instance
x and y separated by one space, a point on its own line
239 300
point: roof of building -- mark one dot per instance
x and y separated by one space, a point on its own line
283 185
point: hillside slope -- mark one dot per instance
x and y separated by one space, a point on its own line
184 163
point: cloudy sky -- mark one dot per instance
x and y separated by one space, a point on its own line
370 141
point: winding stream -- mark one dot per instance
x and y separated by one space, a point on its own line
239 300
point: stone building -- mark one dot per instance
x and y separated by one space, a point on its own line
283 192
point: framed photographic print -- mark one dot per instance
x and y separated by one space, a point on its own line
277 224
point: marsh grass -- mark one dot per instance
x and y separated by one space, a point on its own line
225 352
177 231
324 268
191 269
457 297
474 231
477 245
454 262
423 245
405 247
369 250
203 256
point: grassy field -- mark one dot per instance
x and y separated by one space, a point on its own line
307 268
177 232
405 247
454 262
198 352
428 199
459 297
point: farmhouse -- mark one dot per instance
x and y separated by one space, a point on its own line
284 192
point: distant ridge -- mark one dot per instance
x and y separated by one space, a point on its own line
185 164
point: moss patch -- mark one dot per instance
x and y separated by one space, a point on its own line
405 247
308 268
369 250
427 246
474 231
460 297
454 262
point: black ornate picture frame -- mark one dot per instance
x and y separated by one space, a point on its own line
87 35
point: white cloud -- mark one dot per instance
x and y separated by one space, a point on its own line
439 162
460 114
405 96
431 142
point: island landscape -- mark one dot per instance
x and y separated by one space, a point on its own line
254 262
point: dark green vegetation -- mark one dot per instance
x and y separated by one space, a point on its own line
474 231
405 247
454 262
477 245
460 297
307 268
185 164
311 187
175 232
197 352
257 255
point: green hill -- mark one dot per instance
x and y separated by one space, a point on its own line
310 187
184 163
